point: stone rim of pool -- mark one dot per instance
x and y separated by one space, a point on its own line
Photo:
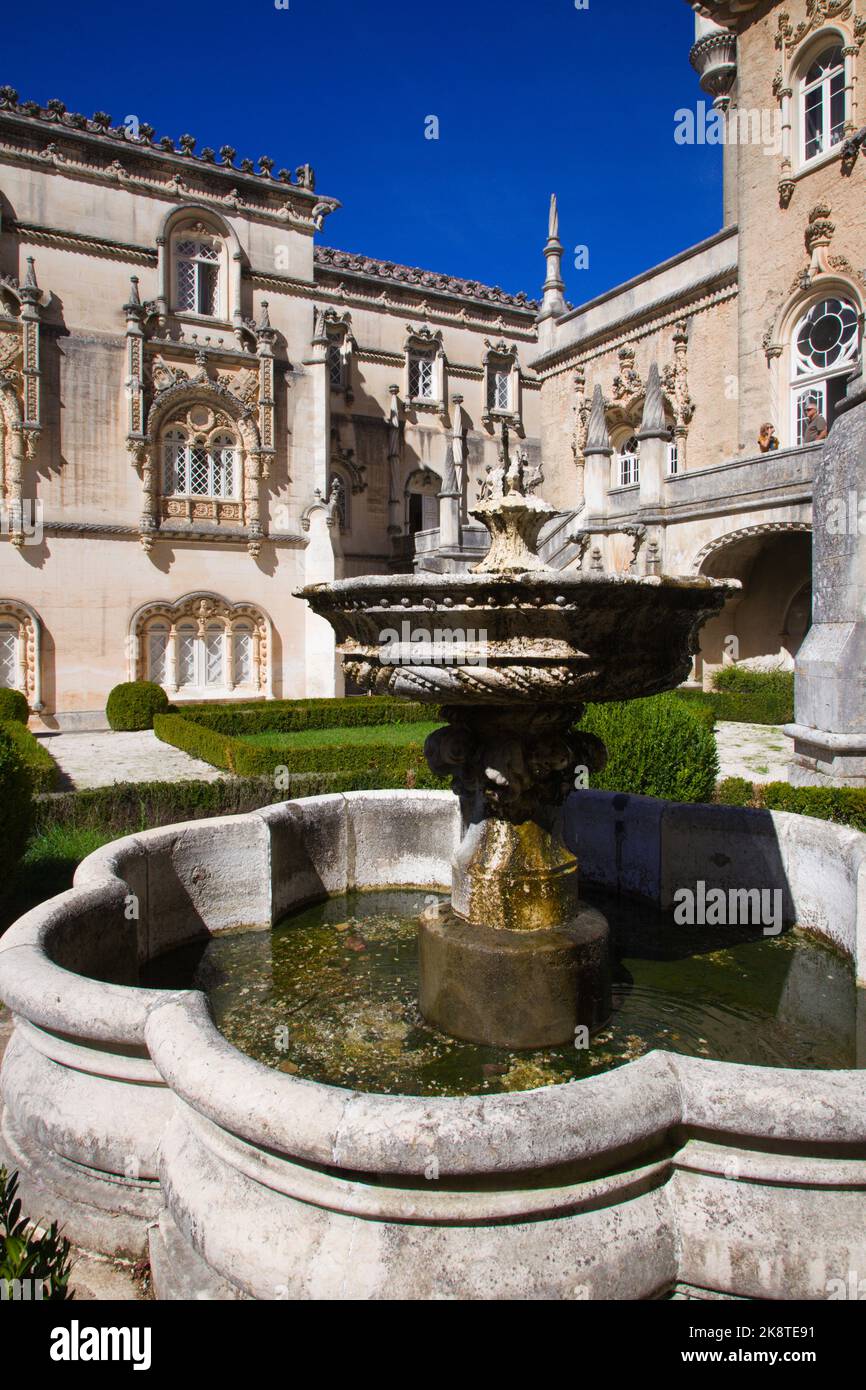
132 1119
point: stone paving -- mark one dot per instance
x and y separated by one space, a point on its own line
99 759
758 752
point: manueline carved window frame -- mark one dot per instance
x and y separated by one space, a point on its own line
828 22
203 612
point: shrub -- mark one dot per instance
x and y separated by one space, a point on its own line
743 681
843 805
360 765
13 707
43 1258
16 803
656 747
765 706
131 707
735 791
44 772
291 716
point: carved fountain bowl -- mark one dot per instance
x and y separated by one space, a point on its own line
543 637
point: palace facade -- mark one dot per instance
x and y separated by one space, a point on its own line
203 407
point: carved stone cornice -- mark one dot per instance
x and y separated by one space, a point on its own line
131 157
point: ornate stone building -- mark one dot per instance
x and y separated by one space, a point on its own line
202 408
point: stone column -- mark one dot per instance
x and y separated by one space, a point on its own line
171 663
830 721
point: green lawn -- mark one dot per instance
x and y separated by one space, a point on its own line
49 862
380 735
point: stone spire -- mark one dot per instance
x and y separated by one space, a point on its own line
597 435
653 425
553 303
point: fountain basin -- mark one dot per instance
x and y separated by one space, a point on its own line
132 1118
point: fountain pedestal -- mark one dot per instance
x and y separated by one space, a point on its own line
517 960
512 651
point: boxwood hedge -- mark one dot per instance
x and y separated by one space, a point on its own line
43 770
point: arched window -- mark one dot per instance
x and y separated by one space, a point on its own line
336 366
499 388
422 376
198 262
197 465
673 454
628 460
242 654
422 501
10 656
203 657
823 350
822 103
187 643
157 652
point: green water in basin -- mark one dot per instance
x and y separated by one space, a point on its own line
331 994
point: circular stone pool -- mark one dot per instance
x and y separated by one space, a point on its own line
331 994
135 1122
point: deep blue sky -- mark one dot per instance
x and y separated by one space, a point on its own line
531 97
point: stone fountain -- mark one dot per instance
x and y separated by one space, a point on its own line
512 651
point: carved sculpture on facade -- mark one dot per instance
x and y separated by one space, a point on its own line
20 393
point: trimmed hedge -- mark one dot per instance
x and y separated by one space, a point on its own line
291 716
656 747
387 765
13 707
16 805
743 681
44 772
743 707
127 807
841 805
131 706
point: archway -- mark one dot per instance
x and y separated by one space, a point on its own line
771 614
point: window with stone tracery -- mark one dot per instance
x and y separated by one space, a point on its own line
188 658
198 264
198 465
242 654
825 345
10 661
157 650
499 389
823 103
628 459
336 366
421 376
